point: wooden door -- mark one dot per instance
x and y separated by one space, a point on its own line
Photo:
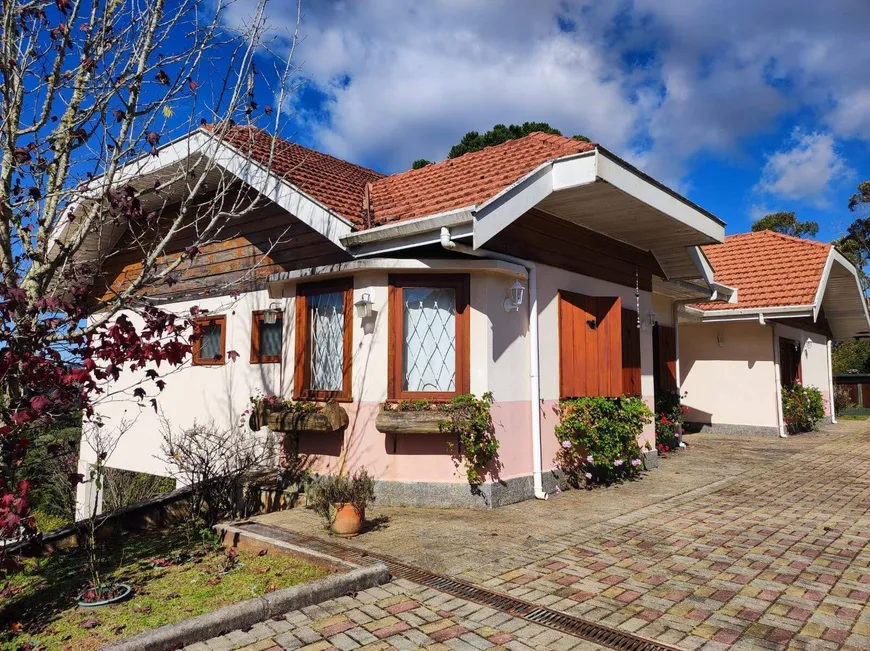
630 353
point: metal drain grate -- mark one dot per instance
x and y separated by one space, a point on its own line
586 630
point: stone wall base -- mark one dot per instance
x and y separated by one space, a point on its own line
461 494
755 430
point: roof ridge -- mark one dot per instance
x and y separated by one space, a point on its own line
768 233
534 135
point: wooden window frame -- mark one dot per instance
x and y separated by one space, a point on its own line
461 284
302 371
797 353
210 320
257 319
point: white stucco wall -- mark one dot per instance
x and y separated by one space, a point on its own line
733 383
814 358
737 383
499 363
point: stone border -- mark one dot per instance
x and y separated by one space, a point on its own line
245 614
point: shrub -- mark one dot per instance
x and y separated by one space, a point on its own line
669 420
842 399
802 408
598 439
323 492
124 487
468 417
216 462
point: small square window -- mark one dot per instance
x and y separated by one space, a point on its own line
266 338
209 348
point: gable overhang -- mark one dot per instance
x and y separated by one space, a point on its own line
594 189
601 192
839 298
212 159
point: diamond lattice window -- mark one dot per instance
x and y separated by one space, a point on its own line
429 336
429 347
327 341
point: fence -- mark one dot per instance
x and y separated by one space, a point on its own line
857 385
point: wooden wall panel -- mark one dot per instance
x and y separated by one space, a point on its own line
559 243
265 241
665 338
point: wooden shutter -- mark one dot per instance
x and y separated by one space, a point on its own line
665 357
590 345
630 353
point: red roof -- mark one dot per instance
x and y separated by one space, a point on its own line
335 183
768 270
454 183
467 180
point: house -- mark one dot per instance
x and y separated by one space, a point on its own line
782 303
436 255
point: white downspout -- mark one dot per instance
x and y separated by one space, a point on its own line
776 362
534 362
831 383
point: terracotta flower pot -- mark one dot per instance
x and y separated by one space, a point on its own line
348 521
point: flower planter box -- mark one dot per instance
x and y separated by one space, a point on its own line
409 422
332 418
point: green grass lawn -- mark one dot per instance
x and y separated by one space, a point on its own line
37 604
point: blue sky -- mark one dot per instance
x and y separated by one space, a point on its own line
746 107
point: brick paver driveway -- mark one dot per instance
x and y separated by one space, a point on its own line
777 557
772 552
400 615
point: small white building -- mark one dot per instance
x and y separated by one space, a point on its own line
786 301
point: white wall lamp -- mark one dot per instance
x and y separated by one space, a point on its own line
270 316
364 306
650 320
808 345
516 297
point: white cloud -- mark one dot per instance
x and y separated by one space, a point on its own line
804 169
659 81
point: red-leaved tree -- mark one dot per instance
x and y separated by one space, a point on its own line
89 90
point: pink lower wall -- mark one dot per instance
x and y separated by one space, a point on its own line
416 457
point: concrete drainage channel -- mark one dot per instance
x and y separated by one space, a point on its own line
591 631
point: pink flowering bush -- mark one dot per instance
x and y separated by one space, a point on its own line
598 439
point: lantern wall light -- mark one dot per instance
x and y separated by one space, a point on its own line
364 306
270 316
513 302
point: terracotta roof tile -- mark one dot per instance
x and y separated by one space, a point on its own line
467 180
454 183
768 270
335 183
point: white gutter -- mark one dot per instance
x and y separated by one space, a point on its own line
534 362
753 312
